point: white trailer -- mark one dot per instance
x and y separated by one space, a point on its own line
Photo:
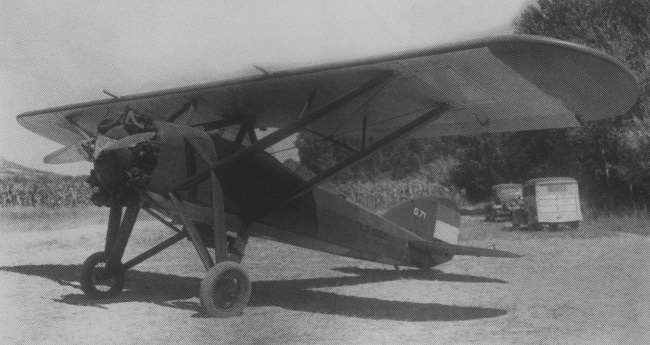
549 201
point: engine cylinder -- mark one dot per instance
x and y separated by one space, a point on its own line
110 169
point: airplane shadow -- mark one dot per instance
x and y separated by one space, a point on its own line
294 294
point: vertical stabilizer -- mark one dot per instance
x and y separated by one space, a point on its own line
428 217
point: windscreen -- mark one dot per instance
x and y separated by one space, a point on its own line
506 194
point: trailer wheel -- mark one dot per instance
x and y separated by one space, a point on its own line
92 281
225 290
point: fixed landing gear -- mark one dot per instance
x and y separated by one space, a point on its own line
96 283
102 274
225 290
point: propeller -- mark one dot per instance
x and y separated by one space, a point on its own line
117 172
67 154
90 149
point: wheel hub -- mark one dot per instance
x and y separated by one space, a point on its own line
227 290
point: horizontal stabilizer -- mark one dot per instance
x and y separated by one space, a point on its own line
447 249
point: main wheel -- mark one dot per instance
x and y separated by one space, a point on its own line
225 290
92 282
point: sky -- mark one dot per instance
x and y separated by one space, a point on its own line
54 53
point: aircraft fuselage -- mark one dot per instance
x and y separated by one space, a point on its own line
319 219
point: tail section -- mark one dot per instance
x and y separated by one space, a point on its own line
437 221
430 218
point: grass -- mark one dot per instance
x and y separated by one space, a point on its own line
637 223
381 195
42 218
377 196
18 218
28 219
475 228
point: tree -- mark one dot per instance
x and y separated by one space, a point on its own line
396 161
611 158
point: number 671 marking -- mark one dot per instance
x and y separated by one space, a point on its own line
419 213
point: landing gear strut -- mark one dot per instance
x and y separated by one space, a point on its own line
226 289
102 274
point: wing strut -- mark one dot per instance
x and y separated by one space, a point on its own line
423 119
330 139
182 110
246 128
364 129
284 132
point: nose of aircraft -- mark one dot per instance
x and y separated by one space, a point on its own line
111 169
123 168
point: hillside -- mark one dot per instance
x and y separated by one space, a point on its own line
14 171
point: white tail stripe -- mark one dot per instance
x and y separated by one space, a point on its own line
445 232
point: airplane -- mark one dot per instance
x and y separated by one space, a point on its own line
192 159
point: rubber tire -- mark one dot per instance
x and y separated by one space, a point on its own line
88 285
209 283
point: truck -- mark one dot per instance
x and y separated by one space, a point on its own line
504 199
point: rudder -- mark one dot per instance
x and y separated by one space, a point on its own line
428 217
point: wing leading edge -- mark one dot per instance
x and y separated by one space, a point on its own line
505 83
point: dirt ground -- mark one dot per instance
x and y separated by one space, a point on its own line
566 289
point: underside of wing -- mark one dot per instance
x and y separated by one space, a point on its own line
447 249
506 83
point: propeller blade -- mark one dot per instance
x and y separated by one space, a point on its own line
126 141
77 153
67 154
